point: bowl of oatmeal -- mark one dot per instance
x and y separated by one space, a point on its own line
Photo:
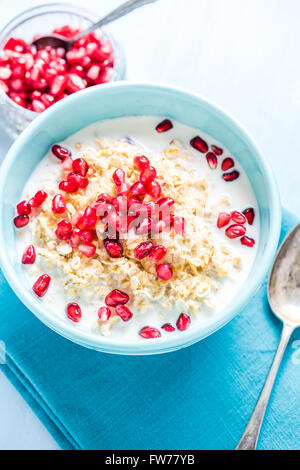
137 218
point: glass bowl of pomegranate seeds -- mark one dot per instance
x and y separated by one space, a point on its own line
140 226
31 81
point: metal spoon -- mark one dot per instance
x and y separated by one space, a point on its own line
55 40
284 299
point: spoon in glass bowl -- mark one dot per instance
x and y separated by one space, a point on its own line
55 40
284 299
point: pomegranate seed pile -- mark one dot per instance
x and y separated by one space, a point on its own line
131 229
37 79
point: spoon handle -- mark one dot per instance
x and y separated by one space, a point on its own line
249 438
120 11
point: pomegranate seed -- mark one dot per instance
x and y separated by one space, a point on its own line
168 327
227 164
63 230
138 189
217 150
249 214
104 197
78 180
123 189
29 255
47 99
154 189
40 286
247 241
164 271
235 231
231 176
23 208
60 152
93 72
75 83
143 250
165 202
21 220
66 164
223 219
119 177
183 322
38 106
116 297
87 236
212 160
75 239
178 225
80 166
5 73
238 218
19 100
144 226
58 204
68 187
147 175
164 126
157 253
38 199
77 218
73 312
87 249
141 162
89 218
199 144
149 333
113 248
124 313
58 85
104 314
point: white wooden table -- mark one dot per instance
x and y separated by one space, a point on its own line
242 54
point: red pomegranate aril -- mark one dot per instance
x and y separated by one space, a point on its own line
247 241
116 297
141 162
164 272
29 255
80 166
17 84
164 126
78 180
38 106
75 83
183 322
60 152
87 236
21 220
149 333
4 87
93 73
157 253
227 164
113 248
212 160
58 204
89 218
41 286
73 312
38 199
66 164
104 197
223 219
123 189
18 100
58 85
238 218
5 73
217 150
231 176
168 327
249 213
63 230
144 227
165 202
199 144
23 208
87 249
138 189
147 175
143 250
123 312
75 239
47 99
154 189
119 177
104 314
235 231
68 187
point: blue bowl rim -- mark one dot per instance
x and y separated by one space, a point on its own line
169 343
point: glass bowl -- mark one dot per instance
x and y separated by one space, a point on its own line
41 20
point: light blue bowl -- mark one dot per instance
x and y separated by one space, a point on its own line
123 99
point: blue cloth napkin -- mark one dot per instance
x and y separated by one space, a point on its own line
197 398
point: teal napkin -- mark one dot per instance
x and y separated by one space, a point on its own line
197 398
